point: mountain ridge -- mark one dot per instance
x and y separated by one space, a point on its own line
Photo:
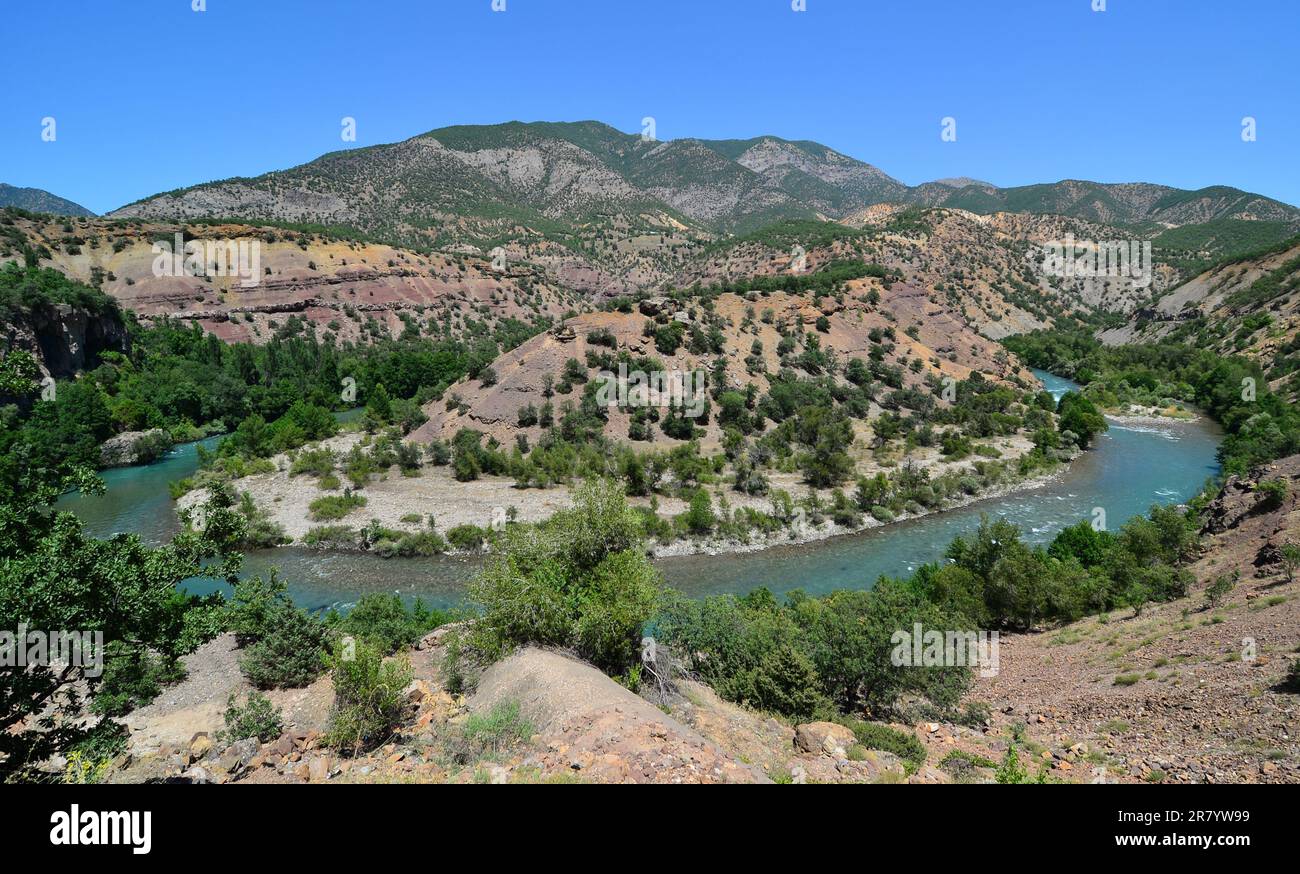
40 200
621 153
615 213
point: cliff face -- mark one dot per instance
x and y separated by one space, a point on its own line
1254 516
65 340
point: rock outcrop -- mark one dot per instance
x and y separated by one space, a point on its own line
134 447
65 340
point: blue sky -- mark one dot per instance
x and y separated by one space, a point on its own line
148 95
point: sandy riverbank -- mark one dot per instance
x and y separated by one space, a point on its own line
1135 414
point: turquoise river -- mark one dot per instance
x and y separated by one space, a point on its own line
1132 467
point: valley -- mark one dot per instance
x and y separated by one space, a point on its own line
404 421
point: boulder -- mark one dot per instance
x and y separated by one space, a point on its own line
318 770
828 738
134 447
237 756
197 775
200 746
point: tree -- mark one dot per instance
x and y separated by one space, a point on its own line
827 432
53 577
1082 542
1078 415
1290 560
1218 590
699 517
380 405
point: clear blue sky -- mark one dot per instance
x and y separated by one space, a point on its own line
149 95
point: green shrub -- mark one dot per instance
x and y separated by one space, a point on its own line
331 536
248 613
752 651
1272 493
367 696
283 646
387 622
419 543
1218 590
699 519
256 718
468 537
317 462
810 655
963 766
333 507
874 736
1011 771
132 678
1292 679
580 581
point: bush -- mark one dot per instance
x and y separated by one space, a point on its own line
1272 493
468 537
283 646
812 654
580 581
699 518
248 613
367 696
1292 680
330 508
256 718
317 462
874 736
1011 770
752 652
132 678
1218 590
331 536
1077 415
420 543
388 623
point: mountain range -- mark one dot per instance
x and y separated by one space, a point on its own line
578 183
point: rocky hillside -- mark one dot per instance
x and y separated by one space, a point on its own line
1191 691
64 339
919 332
1110 204
1248 306
354 290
